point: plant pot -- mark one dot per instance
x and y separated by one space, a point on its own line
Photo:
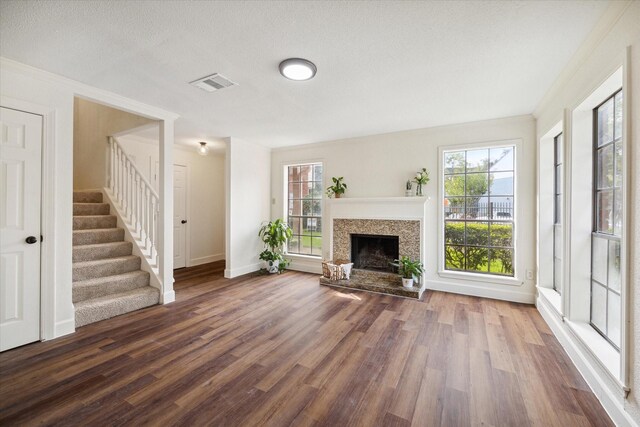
338 195
408 193
407 283
273 266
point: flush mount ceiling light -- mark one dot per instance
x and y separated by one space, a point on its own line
298 69
203 150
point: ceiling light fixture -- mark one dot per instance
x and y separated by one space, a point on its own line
297 69
203 150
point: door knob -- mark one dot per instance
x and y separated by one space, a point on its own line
31 240
184 221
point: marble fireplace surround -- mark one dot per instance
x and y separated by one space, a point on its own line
408 232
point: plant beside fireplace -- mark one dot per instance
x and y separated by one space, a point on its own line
274 235
337 189
409 269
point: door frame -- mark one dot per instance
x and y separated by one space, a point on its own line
187 207
47 210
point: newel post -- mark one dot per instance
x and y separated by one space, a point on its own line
165 218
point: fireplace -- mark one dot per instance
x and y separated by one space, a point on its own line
374 252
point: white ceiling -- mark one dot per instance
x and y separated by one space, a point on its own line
382 66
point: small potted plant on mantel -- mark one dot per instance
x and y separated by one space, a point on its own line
274 235
409 270
337 189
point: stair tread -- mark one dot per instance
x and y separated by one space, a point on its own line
90 203
104 245
93 230
145 290
105 279
105 260
94 216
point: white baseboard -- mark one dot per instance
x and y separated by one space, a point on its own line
65 327
235 272
206 259
612 403
505 293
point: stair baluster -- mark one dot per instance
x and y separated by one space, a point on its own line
135 197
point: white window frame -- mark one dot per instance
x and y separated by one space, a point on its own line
285 205
516 280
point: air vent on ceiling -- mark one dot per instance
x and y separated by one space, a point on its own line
213 82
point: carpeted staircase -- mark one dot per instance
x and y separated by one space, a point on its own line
107 280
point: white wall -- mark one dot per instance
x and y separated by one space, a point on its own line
380 165
602 53
247 181
93 123
206 198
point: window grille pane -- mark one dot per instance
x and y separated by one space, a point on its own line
501 235
477 233
454 185
599 252
477 259
316 244
454 162
454 208
306 173
294 190
558 148
477 160
501 159
618 116
599 307
613 318
605 123
454 232
295 207
501 261
317 173
305 245
293 246
477 184
294 223
617 213
501 209
454 257
501 184
604 212
613 278
618 164
294 173
605 167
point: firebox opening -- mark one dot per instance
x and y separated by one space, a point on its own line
374 252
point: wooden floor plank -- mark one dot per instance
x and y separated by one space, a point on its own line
278 350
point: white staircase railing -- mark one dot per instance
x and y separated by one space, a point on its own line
138 202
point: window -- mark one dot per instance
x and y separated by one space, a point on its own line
607 218
557 212
304 208
479 210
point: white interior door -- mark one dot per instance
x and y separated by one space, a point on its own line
179 216
20 188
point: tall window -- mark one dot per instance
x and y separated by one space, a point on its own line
304 208
557 213
607 218
479 210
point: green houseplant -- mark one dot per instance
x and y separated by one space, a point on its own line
337 189
421 178
409 269
274 235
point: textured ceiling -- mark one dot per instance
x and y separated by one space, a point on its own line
382 66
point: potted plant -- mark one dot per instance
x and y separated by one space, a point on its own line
421 178
274 235
409 269
407 191
337 189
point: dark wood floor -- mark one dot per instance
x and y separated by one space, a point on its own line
281 350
